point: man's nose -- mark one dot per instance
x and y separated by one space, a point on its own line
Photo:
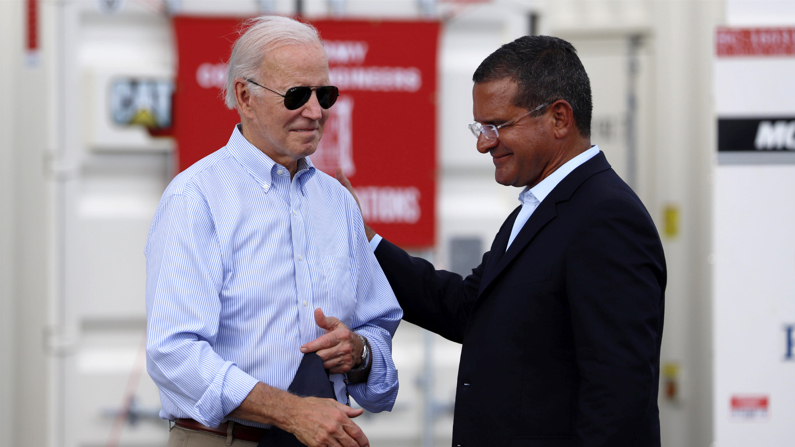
484 144
312 109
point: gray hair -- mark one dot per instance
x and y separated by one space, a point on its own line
263 34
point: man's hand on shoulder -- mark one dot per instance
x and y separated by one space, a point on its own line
314 421
340 348
338 174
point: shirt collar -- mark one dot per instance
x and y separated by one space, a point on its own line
261 167
544 187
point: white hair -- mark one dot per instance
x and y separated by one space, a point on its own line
263 34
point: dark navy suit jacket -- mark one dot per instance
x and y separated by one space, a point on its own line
561 334
311 379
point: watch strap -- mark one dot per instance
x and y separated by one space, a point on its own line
360 374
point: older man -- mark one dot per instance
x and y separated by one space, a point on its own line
561 323
253 254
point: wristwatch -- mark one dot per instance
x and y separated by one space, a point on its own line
365 355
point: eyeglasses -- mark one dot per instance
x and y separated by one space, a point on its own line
298 96
490 131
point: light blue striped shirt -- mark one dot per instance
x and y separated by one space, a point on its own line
237 259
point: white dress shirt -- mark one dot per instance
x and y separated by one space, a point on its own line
532 197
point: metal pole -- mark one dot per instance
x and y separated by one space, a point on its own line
532 24
632 109
60 222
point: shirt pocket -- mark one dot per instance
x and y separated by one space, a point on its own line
338 298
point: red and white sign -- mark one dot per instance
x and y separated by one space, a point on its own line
749 407
32 32
752 312
755 42
381 131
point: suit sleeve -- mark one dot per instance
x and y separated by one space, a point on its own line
376 316
615 284
437 300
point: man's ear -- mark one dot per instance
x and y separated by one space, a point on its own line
563 114
243 97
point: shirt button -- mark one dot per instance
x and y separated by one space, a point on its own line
305 303
280 172
295 213
300 258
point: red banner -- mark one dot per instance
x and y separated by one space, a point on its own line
381 131
32 35
755 42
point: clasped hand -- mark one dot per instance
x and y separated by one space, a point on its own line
340 348
316 422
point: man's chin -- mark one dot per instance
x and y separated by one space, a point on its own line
304 148
310 150
303 153
502 178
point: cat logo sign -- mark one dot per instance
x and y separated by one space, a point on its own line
141 102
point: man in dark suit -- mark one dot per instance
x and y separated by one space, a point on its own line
561 323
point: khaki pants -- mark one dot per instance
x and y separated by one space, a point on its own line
185 437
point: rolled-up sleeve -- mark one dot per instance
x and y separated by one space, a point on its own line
376 317
184 276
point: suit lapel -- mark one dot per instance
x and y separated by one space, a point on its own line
498 248
546 211
543 214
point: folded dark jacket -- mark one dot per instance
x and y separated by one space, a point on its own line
311 379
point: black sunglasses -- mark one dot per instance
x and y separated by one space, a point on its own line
298 96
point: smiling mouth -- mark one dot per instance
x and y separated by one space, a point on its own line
499 158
